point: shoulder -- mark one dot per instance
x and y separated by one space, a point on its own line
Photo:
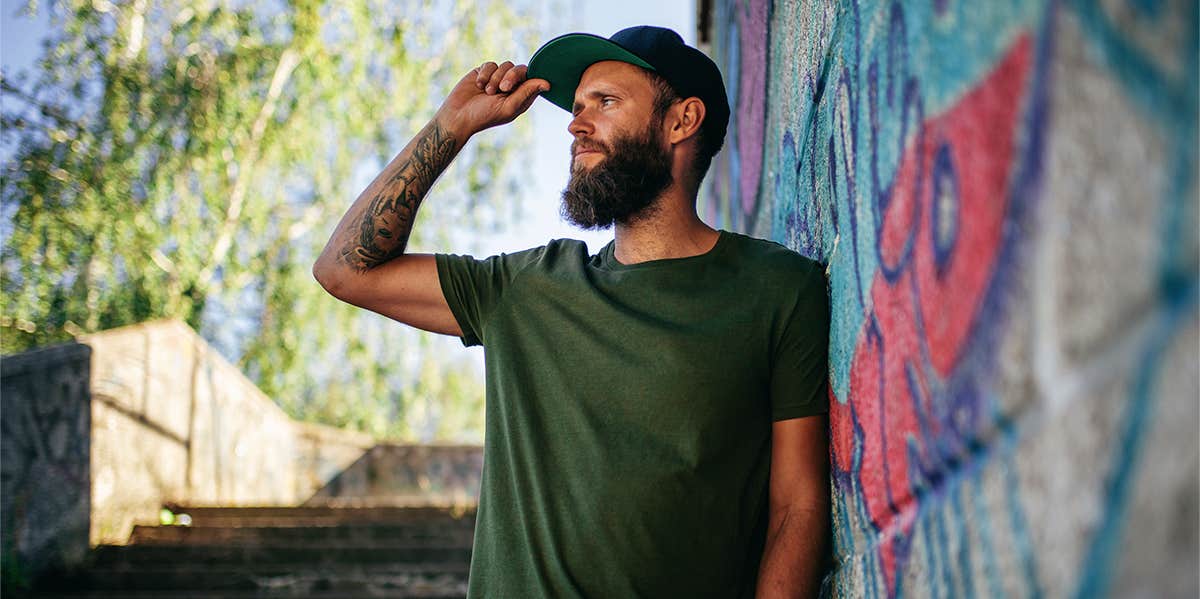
566 246
557 252
553 250
555 255
507 266
772 259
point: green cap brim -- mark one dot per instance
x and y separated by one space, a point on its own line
562 61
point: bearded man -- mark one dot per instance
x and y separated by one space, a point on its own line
655 412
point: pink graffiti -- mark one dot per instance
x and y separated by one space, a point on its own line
752 97
947 208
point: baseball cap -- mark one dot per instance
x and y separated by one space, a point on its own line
562 61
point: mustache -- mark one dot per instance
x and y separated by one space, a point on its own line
592 146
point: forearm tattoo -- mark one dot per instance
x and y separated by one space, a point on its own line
386 224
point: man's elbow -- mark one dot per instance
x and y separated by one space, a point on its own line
326 278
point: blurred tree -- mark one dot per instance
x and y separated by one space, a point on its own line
189 159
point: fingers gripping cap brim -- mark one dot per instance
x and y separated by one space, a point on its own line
562 61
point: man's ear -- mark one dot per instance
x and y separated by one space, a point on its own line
686 117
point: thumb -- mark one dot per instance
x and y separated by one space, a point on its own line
522 97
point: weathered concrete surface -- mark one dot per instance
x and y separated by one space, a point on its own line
1005 195
408 475
295 552
44 491
97 436
163 418
322 453
173 420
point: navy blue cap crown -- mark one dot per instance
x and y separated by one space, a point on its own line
689 71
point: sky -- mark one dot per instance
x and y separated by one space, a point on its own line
20 36
20 46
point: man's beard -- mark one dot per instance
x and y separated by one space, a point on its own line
621 188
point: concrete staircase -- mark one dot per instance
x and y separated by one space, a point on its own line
299 552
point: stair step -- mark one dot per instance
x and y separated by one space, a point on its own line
285 594
281 578
319 515
417 533
296 555
320 552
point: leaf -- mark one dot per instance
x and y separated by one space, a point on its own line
193 166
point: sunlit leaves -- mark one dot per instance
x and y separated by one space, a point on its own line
189 159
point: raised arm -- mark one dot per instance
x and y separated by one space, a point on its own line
364 262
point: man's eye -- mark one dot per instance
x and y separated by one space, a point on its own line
607 101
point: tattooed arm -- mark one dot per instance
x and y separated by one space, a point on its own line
364 262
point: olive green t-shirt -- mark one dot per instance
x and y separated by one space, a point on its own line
629 410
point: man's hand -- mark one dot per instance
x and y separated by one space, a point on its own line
487 96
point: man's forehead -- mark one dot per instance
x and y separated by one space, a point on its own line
612 73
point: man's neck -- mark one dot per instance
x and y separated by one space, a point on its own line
671 230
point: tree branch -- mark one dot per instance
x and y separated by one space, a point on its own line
53 112
237 197
137 27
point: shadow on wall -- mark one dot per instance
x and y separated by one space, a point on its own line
1006 198
407 475
99 434
172 420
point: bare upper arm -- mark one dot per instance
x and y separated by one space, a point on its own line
405 289
800 463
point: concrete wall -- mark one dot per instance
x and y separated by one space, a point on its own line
408 475
171 419
322 453
101 433
1005 196
44 492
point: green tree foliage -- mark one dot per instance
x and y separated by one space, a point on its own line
189 159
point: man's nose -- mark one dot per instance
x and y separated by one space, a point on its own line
581 124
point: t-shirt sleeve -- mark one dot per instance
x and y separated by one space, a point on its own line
473 288
800 372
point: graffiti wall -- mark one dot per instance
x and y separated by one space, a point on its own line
1005 196
45 496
